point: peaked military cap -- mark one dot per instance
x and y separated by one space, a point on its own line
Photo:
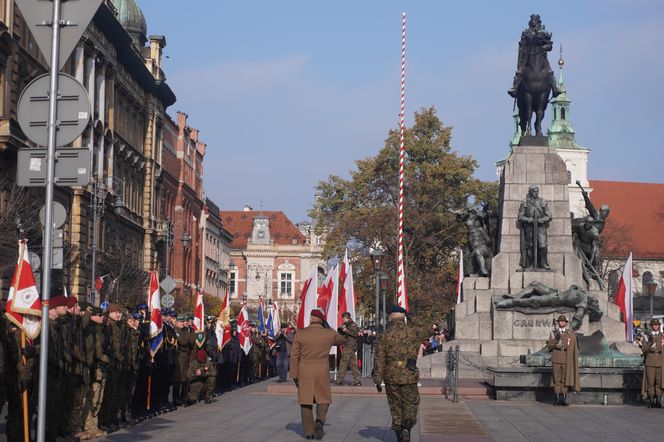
562 318
655 321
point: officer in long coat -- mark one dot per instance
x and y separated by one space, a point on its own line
652 347
310 371
564 360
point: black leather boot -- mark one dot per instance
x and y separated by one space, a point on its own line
556 401
651 402
405 430
397 431
563 402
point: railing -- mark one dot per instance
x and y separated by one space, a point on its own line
452 378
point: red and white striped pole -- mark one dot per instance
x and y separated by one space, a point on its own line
402 296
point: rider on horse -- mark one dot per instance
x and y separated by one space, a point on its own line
534 38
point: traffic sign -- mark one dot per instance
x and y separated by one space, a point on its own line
73 110
59 215
75 17
72 167
167 284
167 301
35 261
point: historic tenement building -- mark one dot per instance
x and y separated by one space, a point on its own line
215 250
270 256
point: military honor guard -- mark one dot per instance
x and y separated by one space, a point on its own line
564 360
652 346
350 332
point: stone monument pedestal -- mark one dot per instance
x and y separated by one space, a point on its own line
500 337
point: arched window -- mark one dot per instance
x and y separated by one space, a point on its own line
649 285
562 113
569 177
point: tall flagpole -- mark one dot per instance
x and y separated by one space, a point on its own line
402 296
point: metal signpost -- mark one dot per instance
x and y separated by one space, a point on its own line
36 14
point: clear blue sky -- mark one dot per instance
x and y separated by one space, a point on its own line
286 93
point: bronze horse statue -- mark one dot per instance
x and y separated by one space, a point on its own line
534 79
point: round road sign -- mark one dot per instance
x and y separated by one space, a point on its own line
59 215
167 301
73 110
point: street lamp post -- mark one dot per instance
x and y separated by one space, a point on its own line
98 205
377 259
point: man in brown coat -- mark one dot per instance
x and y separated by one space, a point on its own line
564 360
652 347
310 371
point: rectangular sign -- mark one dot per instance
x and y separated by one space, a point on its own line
72 167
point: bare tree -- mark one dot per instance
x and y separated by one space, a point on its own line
17 206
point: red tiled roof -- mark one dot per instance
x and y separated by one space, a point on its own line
240 224
634 206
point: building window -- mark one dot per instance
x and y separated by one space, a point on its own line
232 281
286 284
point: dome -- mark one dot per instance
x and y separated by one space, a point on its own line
132 19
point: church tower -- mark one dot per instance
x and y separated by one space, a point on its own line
561 136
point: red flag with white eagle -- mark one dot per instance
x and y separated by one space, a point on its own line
243 329
23 306
199 313
223 328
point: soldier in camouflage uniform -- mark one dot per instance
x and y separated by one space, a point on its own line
58 359
134 342
395 363
93 334
258 354
108 415
350 332
202 376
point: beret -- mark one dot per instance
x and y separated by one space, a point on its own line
57 301
396 309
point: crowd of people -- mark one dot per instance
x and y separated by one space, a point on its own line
105 373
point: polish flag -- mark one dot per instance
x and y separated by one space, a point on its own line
199 313
325 292
276 318
332 313
308 298
624 298
223 328
243 329
23 306
346 290
459 284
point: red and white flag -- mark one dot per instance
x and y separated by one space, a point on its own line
199 313
223 328
624 298
308 298
459 282
332 312
243 329
347 298
154 304
23 306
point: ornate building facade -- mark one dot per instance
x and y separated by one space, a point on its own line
270 257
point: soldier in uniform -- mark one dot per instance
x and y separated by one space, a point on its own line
257 354
652 347
134 342
283 343
202 377
564 360
57 359
395 363
350 332
108 416
185 346
310 371
94 342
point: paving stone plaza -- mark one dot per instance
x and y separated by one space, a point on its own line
252 415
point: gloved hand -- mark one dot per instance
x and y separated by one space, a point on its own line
297 382
379 388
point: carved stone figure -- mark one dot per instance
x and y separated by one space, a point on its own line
534 217
534 77
586 238
540 299
479 248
